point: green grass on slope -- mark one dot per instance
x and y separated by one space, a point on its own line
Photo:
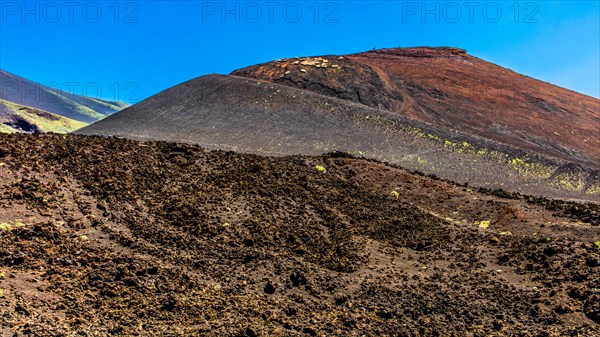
7 129
116 106
58 125
78 108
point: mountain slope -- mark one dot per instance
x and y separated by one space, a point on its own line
246 115
449 88
27 106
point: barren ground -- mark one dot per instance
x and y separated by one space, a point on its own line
115 237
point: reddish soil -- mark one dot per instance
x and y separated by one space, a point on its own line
116 237
449 88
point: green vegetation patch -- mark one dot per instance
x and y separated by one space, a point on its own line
56 124
81 109
6 129
523 166
530 169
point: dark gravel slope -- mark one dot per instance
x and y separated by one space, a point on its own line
246 115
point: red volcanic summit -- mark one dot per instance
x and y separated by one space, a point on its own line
449 88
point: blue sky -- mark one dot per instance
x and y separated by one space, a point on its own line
130 50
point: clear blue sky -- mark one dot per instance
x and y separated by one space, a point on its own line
131 50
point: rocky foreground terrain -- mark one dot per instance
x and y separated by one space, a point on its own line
106 236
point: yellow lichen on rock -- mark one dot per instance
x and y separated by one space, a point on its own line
483 224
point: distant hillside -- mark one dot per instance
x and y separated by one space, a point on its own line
27 106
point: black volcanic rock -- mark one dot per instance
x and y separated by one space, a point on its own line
333 252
